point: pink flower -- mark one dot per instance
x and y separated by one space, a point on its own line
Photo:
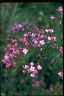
23 71
20 25
25 35
61 49
26 44
5 61
11 55
60 9
33 35
26 67
53 38
8 45
16 51
8 64
12 48
25 51
60 74
23 39
35 71
29 33
13 41
39 35
5 49
42 42
15 44
6 56
32 64
45 36
14 63
38 45
35 41
50 30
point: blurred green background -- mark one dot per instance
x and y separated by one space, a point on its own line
39 14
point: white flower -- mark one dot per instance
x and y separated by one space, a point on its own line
32 75
42 42
49 38
52 17
54 38
39 67
32 69
33 35
40 49
46 30
25 51
51 31
19 25
25 35
6 56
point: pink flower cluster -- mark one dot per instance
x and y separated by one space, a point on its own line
36 39
6 60
31 37
16 27
32 69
